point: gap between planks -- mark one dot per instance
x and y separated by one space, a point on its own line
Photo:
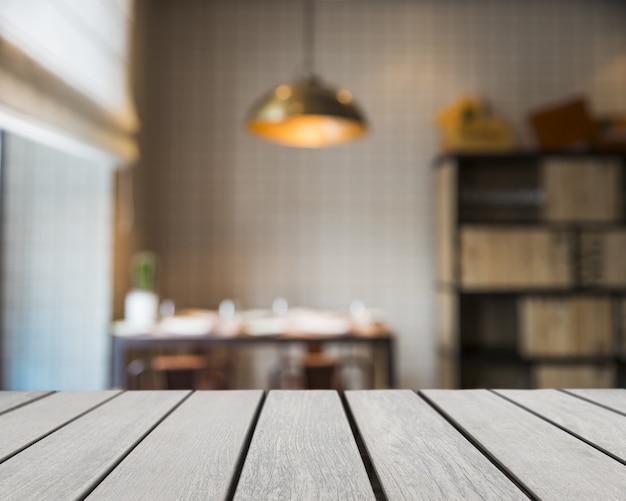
485 452
99 480
371 473
27 401
53 430
245 448
563 428
595 402
365 457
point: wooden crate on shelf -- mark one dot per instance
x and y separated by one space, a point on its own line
445 185
573 326
614 262
584 376
582 190
506 258
603 258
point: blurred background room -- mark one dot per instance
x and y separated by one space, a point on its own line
474 236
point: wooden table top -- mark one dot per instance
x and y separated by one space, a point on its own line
387 444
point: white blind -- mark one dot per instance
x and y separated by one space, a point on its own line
64 64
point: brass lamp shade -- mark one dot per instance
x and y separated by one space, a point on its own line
307 114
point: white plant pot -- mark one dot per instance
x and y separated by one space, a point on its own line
141 307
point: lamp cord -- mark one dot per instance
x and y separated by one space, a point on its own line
309 37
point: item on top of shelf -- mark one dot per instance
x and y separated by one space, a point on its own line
612 133
470 125
567 125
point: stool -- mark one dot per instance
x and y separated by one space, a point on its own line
175 372
310 371
320 372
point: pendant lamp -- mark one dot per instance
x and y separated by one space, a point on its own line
307 113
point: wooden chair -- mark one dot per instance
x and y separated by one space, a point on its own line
316 369
178 372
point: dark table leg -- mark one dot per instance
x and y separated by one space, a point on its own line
118 355
391 369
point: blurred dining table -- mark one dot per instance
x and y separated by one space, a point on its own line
130 343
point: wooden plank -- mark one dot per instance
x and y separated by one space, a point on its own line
68 463
614 398
303 448
194 453
550 462
603 428
493 258
11 399
417 454
28 424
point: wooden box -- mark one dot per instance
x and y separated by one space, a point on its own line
603 258
509 258
583 376
565 125
445 185
582 190
573 326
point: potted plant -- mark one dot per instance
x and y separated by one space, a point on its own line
142 302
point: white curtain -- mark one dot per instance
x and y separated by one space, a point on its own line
64 74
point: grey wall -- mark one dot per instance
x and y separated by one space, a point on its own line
232 216
56 268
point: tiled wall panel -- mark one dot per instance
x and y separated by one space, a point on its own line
232 216
56 268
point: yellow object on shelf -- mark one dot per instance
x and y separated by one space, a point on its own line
468 125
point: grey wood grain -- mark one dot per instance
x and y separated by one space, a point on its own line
24 425
603 428
193 454
614 398
417 454
11 399
303 448
550 462
66 464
